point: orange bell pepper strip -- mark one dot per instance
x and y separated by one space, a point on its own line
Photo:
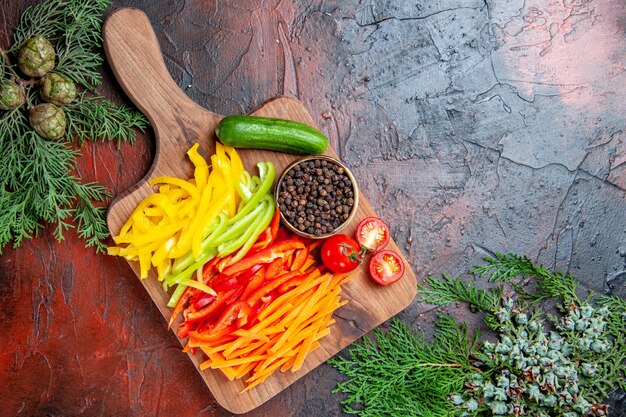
279 250
299 259
270 286
292 283
180 304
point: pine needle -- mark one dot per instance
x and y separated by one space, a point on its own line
400 373
386 375
38 185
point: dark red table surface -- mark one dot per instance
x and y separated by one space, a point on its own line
473 127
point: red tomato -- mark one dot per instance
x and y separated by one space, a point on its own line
372 233
341 253
386 267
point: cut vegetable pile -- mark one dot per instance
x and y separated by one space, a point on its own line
223 209
253 296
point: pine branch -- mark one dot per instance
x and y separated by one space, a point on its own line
44 19
39 186
79 47
95 118
448 290
549 284
51 19
615 326
89 218
387 375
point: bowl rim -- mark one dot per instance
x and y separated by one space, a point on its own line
355 189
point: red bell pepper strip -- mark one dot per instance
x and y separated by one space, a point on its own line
255 282
275 268
238 312
283 234
206 311
279 250
184 329
209 270
211 335
270 286
203 302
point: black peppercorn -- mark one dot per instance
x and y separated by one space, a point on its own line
316 196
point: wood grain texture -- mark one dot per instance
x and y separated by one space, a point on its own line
134 55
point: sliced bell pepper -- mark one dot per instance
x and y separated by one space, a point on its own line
238 312
201 168
269 234
292 283
254 283
206 311
180 304
275 268
266 174
279 250
210 336
270 286
247 239
300 258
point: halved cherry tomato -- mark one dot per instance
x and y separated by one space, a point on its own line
372 233
386 267
341 253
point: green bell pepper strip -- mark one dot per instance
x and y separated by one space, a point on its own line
262 220
244 187
178 292
205 257
267 174
252 237
235 230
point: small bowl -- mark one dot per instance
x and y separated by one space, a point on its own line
351 214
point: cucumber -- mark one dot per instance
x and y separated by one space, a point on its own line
281 135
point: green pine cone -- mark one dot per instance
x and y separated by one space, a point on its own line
12 95
57 89
48 120
36 57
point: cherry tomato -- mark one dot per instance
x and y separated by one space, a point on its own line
372 233
341 253
386 267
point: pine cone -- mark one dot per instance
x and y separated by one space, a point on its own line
12 95
48 120
57 89
36 57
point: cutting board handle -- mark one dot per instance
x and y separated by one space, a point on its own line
133 52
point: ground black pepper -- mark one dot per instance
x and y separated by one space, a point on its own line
316 196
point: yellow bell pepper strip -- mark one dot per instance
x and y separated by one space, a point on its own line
201 171
207 224
185 240
185 262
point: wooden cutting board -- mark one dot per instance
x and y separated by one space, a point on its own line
133 52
